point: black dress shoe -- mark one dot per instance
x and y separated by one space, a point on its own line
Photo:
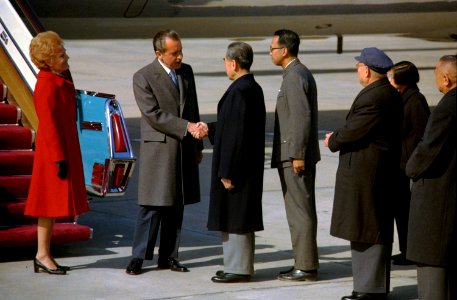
173 265
299 275
401 260
287 271
219 272
230 278
397 256
365 296
134 267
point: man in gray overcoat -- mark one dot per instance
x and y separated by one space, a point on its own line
296 153
432 234
169 154
370 149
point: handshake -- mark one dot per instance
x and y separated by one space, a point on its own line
198 130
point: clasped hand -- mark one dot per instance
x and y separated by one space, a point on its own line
327 138
198 130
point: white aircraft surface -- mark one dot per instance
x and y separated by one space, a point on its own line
430 19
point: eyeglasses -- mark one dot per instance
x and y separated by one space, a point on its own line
275 48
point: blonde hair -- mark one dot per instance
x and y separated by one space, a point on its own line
42 48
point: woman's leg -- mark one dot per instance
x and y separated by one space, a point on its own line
44 232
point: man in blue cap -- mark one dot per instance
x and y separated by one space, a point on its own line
369 145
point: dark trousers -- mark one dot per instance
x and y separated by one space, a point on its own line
401 210
150 219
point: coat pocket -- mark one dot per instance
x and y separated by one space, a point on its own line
153 136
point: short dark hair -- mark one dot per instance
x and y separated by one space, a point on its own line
159 39
405 73
289 40
241 53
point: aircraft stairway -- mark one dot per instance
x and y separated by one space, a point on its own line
18 123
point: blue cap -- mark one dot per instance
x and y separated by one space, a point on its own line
375 59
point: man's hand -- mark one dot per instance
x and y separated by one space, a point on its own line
198 130
227 183
299 166
327 137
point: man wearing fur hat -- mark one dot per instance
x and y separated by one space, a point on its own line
369 146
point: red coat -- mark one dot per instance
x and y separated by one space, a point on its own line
57 139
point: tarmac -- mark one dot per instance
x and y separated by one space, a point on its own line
98 265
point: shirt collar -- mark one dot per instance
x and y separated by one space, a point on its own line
167 69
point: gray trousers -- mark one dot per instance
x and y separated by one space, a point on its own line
238 253
300 204
371 267
436 283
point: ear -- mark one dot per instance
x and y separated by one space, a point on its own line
446 80
367 72
233 65
159 55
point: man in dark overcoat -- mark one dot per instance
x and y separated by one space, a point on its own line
369 146
169 154
238 137
432 234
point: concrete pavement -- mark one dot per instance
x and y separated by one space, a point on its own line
99 264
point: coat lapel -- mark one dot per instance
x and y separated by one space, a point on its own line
182 84
162 78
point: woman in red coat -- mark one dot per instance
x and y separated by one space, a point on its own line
57 188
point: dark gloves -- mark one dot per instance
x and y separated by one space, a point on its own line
63 170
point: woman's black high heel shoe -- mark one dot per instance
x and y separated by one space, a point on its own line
64 268
37 265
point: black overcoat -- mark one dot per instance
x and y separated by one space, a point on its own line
369 146
432 233
416 113
238 137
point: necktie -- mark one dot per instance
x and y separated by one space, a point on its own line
173 77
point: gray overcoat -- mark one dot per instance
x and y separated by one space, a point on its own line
168 167
432 233
295 133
